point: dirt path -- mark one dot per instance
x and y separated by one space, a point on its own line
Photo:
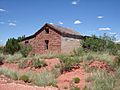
14 86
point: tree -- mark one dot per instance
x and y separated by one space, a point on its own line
12 46
20 38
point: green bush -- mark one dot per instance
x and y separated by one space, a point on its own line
1 49
38 63
76 80
67 62
45 79
25 78
102 43
25 50
9 73
12 46
79 51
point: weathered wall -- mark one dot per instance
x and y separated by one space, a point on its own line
68 45
38 42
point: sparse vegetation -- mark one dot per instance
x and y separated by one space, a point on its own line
67 62
16 58
1 59
94 49
45 78
76 80
38 63
25 78
25 50
9 73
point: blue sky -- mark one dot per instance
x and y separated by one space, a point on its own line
25 17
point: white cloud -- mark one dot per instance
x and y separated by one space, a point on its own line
100 17
104 29
51 23
2 22
74 2
60 22
12 24
77 22
2 10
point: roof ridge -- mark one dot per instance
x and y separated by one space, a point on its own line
64 29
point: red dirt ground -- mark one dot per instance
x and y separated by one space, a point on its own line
65 79
62 81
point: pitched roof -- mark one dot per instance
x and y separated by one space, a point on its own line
63 29
60 29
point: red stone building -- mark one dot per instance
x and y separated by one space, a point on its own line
53 39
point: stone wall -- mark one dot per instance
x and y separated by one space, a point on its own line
68 45
38 42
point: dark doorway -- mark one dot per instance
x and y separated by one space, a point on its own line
46 44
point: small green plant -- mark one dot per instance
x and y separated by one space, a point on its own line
25 50
25 78
76 80
39 63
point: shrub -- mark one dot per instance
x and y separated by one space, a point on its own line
102 81
44 79
9 73
1 49
102 43
25 50
13 58
68 62
25 78
38 63
79 52
76 80
117 61
22 64
48 56
12 46
56 72
89 57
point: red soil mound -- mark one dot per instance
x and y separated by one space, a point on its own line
101 65
50 64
